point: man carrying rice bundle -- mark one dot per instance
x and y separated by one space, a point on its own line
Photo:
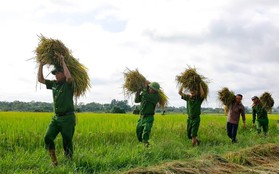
64 119
148 98
194 101
149 95
234 111
49 52
260 113
196 84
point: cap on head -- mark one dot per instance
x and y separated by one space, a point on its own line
57 69
155 86
253 98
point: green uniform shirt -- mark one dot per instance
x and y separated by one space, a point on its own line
148 102
259 111
62 96
193 105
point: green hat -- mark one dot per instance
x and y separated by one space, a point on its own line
57 69
155 86
254 97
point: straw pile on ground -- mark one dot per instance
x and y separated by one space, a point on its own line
191 80
257 155
258 159
134 82
267 101
49 51
227 98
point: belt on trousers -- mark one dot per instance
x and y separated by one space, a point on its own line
64 114
194 116
146 115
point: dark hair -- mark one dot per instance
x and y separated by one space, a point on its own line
239 95
255 97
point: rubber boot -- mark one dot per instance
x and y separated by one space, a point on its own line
53 157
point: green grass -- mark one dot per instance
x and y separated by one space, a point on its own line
106 143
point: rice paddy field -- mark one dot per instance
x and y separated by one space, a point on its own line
106 143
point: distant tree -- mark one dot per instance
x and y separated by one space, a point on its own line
106 107
248 110
122 104
116 109
136 111
91 107
26 106
117 106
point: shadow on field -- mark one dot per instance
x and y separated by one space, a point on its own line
258 159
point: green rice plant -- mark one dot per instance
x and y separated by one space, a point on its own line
107 143
49 51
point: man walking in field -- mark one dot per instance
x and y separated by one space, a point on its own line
261 114
148 98
64 119
194 101
234 112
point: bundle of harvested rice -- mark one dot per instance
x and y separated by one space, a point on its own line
49 51
226 109
134 82
81 80
267 101
226 96
205 88
191 80
163 99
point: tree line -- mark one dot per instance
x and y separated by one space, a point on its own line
115 106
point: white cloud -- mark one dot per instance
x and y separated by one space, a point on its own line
234 44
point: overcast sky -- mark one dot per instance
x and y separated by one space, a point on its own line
234 43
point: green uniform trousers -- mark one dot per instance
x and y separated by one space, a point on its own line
143 129
66 126
193 125
262 123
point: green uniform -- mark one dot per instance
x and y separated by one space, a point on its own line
193 111
148 103
64 119
262 120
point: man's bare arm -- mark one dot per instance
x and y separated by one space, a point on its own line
41 78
